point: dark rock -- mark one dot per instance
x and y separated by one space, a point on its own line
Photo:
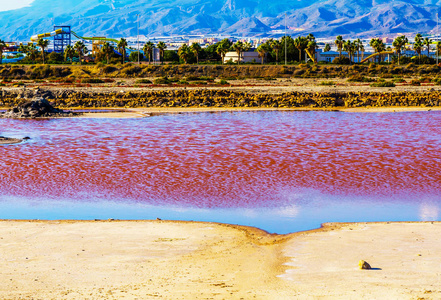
36 108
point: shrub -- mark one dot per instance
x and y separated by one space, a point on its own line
398 80
327 83
109 69
144 81
162 80
382 83
415 82
341 61
359 78
222 81
91 80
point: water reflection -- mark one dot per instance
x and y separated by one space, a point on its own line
263 167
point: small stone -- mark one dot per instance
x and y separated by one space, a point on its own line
364 265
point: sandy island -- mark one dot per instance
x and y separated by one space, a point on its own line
191 260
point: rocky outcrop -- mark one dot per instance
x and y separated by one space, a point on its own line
36 108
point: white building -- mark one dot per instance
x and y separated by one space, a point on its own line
246 57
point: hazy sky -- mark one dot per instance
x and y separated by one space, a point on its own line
13 4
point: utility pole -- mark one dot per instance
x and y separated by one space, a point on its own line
138 36
437 36
285 41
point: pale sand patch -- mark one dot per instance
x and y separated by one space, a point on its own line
189 260
324 263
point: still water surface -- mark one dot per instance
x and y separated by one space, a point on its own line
280 171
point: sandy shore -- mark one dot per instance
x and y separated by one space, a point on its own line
9 141
189 260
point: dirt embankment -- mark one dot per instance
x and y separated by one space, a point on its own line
68 98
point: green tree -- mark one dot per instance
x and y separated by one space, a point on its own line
327 48
378 46
427 42
122 44
107 50
148 50
42 43
358 45
31 51
69 52
134 56
196 49
223 47
161 46
276 45
418 45
438 48
2 47
263 49
339 42
399 43
350 48
239 48
301 43
312 46
80 48
184 53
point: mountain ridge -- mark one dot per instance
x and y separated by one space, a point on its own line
324 18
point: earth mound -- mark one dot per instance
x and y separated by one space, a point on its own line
36 108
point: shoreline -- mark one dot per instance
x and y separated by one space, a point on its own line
68 259
151 111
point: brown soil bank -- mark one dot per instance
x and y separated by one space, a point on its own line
224 98
216 71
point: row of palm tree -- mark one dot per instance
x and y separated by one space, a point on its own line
302 44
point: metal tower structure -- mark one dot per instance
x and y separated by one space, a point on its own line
62 40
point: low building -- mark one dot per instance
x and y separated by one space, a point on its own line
246 57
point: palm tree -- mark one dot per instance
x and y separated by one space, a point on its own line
276 45
196 49
399 43
122 44
378 46
69 52
161 46
312 46
42 43
238 47
223 47
358 45
148 50
347 46
80 48
263 49
184 53
438 48
427 42
31 50
418 47
301 43
2 47
339 41
327 48
361 46
107 50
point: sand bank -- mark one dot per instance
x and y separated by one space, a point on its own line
188 260
9 141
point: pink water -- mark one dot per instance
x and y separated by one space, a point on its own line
226 160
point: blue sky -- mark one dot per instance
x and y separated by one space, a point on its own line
9 5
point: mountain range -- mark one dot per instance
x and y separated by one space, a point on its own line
323 18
